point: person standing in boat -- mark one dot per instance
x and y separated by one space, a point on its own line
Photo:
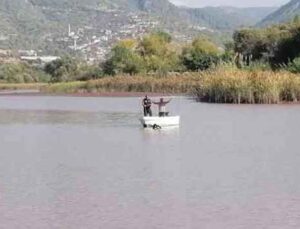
162 107
147 106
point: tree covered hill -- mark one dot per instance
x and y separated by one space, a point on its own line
283 14
228 18
29 23
218 18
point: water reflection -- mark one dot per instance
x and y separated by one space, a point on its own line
87 163
8 117
165 131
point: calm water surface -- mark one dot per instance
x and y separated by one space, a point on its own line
77 163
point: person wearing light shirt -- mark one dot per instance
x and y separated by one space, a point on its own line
162 107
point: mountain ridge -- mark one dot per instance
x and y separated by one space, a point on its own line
37 23
230 17
285 13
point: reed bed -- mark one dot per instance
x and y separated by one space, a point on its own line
65 87
252 87
222 85
174 84
21 86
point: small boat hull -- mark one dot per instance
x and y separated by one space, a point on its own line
160 121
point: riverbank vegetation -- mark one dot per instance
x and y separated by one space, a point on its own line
215 86
220 85
21 86
22 73
276 46
250 87
171 84
259 66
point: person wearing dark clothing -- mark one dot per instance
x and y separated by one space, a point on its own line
147 106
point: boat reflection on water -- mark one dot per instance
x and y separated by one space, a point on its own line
158 122
164 131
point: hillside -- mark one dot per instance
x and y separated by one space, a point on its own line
43 24
217 18
283 14
228 18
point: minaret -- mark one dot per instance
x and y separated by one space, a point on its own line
69 30
75 43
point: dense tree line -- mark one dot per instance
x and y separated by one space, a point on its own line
278 45
156 53
22 73
61 70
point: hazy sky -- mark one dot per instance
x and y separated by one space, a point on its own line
237 3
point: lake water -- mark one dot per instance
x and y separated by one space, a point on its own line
74 163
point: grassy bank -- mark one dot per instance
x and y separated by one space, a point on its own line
218 86
21 86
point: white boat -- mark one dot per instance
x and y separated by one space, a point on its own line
158 122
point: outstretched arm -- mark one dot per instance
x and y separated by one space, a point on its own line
169 101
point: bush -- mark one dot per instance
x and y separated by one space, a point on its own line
277 44
89 73
154 53
294 66
198 61
62 70
21 73
201 55
258 66
123 60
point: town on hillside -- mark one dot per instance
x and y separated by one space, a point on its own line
91 43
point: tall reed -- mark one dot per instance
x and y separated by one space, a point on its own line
184 83
221 85
22 86
237 86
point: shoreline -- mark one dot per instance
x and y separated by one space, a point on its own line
37 93
221 86
84 94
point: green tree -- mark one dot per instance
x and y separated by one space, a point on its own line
294 66
277 44
159 53
123 59
203 45
61 70
21 73
287 49
228 55
250 43
201 55
154 44
86 73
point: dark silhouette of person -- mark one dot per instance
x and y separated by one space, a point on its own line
147 106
